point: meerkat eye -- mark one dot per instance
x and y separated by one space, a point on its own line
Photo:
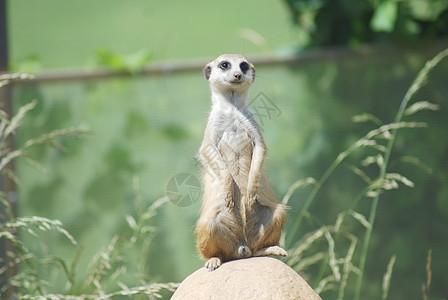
244 66
224 65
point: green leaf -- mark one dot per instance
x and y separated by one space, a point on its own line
110 60
427 10
132 63
384 17
135 62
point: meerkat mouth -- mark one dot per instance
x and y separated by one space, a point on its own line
236 82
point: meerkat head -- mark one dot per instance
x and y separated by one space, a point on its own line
230 73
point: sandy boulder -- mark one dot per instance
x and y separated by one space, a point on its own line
252 278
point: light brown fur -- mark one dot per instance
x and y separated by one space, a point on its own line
240 216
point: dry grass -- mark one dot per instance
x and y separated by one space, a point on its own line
28 279
336 263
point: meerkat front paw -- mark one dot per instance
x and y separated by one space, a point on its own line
252 194
228 200
213 263
251 199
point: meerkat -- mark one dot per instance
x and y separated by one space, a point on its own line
240 216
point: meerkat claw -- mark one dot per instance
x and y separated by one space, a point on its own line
213 263
251 200
229 202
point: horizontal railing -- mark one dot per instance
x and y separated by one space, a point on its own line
194 65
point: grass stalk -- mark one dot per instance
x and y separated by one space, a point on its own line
426 288
365 141
387 277
416 85
308 202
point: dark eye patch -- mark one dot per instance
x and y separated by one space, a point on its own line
224 65
244 66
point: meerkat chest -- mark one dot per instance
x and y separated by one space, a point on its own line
236 134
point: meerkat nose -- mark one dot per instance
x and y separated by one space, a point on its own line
237 76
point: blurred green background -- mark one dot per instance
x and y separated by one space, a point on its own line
61 34
148 128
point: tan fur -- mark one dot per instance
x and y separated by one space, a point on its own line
240 216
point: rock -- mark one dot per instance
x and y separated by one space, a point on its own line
251 278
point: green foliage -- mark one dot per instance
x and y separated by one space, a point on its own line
106 270
132 63
129 118
28 279
346 22
125 260
340 258
28 271
162 27
142 127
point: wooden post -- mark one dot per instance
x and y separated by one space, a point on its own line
6 184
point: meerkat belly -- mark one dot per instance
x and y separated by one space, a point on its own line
236 147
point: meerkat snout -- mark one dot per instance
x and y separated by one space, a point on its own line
237 76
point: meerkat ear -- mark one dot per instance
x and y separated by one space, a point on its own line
207 71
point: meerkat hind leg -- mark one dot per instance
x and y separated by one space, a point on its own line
271 251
